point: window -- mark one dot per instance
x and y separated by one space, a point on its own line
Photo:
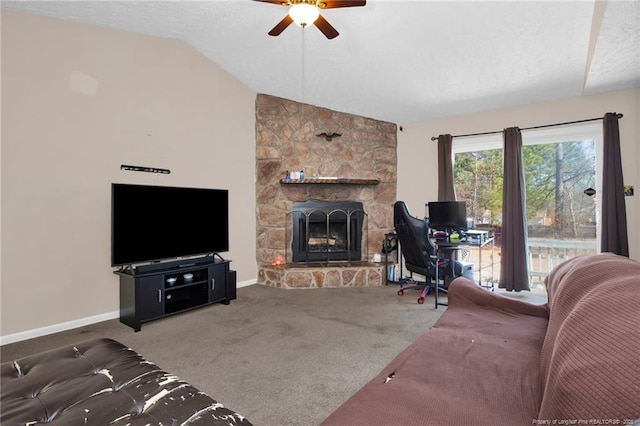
560 164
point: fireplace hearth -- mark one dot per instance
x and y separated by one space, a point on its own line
327 231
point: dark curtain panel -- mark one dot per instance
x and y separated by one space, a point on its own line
514 262
614 214
446 190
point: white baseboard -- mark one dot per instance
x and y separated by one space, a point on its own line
247 283
56 328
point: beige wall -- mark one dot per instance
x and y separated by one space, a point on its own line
77 102
417 166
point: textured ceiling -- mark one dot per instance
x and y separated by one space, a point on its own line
395 60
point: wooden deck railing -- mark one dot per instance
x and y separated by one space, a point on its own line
546 254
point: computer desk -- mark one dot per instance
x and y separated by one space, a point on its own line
474 238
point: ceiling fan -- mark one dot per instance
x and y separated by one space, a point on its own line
307 12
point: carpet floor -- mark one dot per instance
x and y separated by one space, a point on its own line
278 357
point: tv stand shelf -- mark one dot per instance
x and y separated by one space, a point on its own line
146 296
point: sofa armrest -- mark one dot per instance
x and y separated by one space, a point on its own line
591 352
463 291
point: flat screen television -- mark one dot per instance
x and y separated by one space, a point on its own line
448 215
154 223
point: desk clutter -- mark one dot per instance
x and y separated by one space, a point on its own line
448 222
474 237
478 237
436 249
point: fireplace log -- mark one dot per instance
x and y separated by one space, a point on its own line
321 240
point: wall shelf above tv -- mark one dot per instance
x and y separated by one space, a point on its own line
329 181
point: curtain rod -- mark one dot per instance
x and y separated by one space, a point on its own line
435 138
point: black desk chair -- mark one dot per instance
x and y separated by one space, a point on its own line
420 254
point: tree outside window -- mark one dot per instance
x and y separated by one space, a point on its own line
556 176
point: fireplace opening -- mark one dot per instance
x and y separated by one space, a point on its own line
327 231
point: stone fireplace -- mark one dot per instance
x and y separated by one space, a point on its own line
358 167
327 231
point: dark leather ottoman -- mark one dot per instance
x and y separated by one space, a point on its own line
102 382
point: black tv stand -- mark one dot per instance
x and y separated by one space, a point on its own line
159 290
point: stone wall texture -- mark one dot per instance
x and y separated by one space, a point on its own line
286 141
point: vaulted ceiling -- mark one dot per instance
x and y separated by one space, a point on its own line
395 60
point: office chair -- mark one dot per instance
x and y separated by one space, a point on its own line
420 254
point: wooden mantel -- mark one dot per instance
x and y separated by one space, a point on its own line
329 181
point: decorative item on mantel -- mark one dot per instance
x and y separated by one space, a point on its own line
331 180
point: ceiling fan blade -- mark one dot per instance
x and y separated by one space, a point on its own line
332 4
325 27
281 26
278 2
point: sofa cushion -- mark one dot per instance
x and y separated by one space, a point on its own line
591 354
478 365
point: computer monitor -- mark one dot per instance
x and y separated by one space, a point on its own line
448 215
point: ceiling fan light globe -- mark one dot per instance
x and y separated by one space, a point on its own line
304 14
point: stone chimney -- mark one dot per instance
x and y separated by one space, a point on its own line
363 157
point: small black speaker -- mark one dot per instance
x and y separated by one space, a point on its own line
231 285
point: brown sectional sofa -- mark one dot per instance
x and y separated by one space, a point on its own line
102 382
495 360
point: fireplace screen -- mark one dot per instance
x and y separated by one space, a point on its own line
326 232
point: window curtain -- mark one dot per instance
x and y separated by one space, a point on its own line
514 262
446 190
614 215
